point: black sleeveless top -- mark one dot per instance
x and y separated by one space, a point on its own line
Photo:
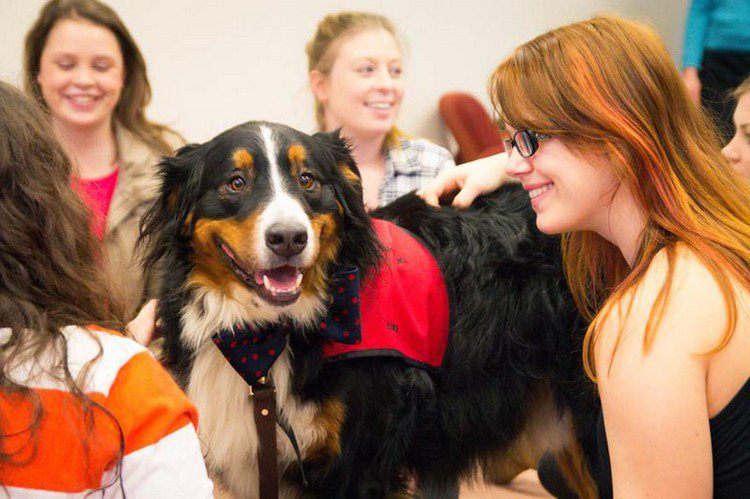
730 444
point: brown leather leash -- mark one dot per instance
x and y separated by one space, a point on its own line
232 343
263 397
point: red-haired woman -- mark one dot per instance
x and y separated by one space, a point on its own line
656 227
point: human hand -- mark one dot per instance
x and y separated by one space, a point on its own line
693 83
142 328
471 180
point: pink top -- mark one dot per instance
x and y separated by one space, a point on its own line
97 194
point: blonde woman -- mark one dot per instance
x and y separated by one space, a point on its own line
356 74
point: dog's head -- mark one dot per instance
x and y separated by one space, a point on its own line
260 213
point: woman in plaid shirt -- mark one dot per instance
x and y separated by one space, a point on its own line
355 69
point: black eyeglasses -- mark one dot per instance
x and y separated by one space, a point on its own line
526 142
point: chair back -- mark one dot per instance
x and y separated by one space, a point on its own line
476 134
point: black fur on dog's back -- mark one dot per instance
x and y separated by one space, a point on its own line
513 324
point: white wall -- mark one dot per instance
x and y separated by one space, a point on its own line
216 64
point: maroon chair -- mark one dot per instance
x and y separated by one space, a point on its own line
475 132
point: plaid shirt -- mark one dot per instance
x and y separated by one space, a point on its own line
410 165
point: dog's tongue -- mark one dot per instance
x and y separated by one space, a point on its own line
280 279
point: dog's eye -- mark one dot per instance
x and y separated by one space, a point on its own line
308 181
236 184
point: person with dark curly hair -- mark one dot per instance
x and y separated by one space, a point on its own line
82 408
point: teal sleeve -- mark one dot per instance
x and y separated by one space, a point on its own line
695 32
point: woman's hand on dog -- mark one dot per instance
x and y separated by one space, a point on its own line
471 179
143 326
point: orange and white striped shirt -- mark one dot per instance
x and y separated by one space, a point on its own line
64 457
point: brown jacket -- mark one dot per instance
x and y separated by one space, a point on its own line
137 187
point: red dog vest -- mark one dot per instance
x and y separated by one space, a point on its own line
403 307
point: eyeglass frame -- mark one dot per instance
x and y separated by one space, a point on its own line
533 139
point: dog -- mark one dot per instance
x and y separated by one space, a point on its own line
252 232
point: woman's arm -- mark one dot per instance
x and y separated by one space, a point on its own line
162 452
655 403
471 180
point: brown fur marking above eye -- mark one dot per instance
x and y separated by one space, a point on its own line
296 171
242 159
330 419
349 174
297 153
210 266
325 227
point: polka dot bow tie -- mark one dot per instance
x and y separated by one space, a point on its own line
252 350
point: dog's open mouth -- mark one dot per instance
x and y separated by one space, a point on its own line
279 285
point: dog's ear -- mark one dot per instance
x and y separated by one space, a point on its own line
348 184
342 151
181 177
169 216
358 232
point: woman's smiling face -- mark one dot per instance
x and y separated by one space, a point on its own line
569 190
364 89
81 73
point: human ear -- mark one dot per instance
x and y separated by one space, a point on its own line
319 85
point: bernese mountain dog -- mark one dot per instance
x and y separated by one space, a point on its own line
412 348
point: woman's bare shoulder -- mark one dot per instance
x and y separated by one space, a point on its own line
654 399
678 300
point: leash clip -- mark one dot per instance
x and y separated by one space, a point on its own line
261 383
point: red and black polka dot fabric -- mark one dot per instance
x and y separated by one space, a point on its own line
342 324
252 350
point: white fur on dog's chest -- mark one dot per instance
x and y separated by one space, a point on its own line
227 427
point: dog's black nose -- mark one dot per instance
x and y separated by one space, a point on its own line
286 239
